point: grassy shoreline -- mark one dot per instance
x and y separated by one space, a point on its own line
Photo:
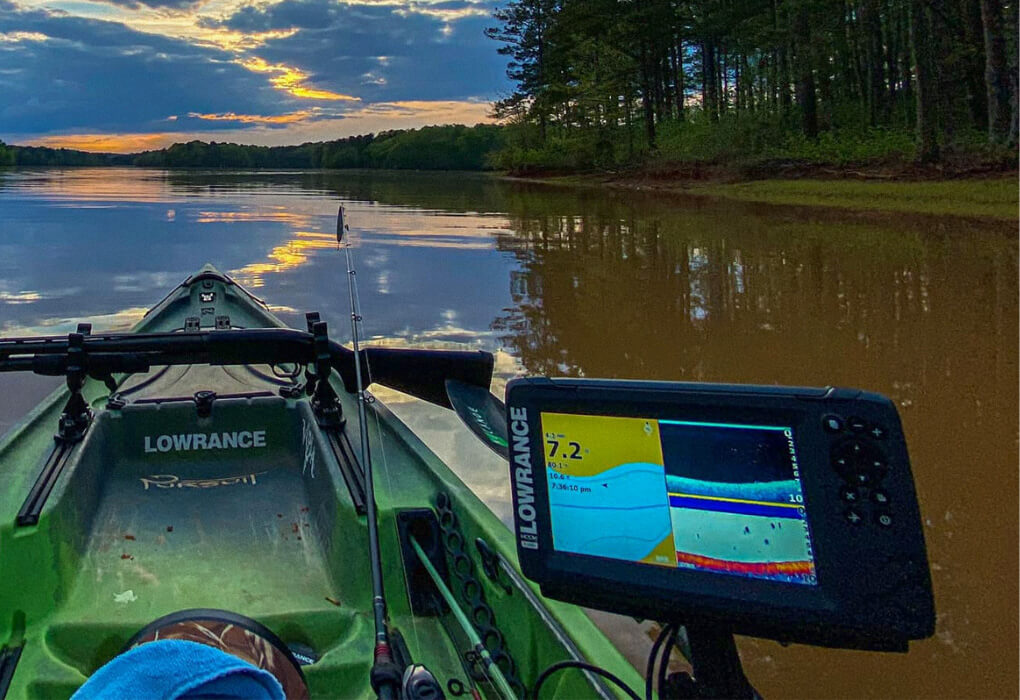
983 196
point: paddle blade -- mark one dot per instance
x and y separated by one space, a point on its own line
483 413
420 373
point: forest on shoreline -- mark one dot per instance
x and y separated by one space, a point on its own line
603 83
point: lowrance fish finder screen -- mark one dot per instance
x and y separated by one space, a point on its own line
714 497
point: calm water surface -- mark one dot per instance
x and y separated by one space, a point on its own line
567 282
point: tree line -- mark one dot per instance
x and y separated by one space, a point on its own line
6 155
606 81
429 148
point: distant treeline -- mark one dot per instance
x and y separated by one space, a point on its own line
429 148
40 155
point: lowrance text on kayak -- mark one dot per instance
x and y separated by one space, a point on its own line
185 442
527 532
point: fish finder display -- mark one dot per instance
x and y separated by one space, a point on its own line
715 497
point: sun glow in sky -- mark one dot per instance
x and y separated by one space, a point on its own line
130 75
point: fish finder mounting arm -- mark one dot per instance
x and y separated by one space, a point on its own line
715 666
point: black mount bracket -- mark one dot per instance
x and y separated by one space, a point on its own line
311 318
325 402
76 416
715 666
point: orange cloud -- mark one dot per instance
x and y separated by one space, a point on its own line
230 40
291 80
427 111
107 143
289 118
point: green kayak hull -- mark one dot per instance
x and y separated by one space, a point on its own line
249 507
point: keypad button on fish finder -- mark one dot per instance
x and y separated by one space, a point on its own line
877 465
862 479
853 516
832 423
857 425
882 518
849 494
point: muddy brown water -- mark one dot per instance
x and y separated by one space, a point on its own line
600 284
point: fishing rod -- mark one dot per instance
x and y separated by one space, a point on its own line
386 675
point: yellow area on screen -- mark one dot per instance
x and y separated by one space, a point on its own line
589 445
664 553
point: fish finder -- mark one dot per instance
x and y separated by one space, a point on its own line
777 512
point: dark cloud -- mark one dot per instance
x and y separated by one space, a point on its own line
92 75
98 75
424 56
284 15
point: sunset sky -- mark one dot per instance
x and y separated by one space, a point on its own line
129 75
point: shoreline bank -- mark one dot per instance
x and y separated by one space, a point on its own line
983 194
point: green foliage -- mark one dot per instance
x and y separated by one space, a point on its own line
730 139
434 148
849 147
739 139
6 155
39 155
571 151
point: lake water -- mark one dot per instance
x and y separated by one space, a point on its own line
600 284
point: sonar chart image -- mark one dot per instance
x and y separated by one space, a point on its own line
735 498
721 498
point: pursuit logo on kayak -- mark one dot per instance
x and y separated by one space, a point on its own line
527 531
172 481
188 442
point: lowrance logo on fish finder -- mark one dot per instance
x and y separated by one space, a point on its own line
523 478
780 512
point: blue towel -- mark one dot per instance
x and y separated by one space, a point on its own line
173 669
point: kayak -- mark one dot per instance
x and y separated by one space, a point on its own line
226 488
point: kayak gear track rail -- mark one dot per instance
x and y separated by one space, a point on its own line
8 661
44 483
351 470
